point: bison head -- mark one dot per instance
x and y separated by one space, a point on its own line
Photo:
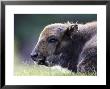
54 40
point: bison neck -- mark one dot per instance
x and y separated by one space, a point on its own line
71 54
71 49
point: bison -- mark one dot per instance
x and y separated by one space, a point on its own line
69 45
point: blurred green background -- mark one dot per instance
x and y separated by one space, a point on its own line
27 28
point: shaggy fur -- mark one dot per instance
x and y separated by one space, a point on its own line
72 46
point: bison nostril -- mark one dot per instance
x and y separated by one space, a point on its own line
34 55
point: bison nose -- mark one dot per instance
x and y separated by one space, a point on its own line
34 55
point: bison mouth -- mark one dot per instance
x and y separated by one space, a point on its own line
41 60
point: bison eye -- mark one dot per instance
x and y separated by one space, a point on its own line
52 40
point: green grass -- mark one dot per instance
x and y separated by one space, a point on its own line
36 70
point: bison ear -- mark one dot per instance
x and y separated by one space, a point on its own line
72 29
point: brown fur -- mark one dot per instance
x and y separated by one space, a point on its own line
71 47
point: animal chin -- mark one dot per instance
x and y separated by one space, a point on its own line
48 64
41 61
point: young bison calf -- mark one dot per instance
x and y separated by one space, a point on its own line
72 46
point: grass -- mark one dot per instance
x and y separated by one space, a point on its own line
36 70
